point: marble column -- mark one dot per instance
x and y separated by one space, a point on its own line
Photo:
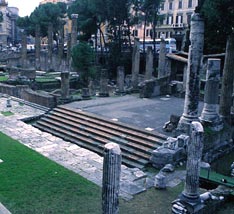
189 201
104 84
120 80
211 99
194 155
162 59
190 112
38 46
50 47
74 30
149 67
111 178
65 85
24 49
135 65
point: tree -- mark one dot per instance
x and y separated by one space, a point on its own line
219 15
82 60
149 14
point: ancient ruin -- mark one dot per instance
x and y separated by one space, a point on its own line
111 178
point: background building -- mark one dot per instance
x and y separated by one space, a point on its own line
177 15
8 29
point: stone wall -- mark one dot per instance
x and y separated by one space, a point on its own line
23 92
44 99
11 90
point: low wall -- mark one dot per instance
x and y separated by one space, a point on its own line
25 93
11 90
45 99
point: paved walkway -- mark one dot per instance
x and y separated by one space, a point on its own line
71 156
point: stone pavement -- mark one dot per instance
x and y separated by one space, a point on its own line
144 113
75 158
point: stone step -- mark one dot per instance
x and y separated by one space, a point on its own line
115 136
95 136
115 125
93 132
90 142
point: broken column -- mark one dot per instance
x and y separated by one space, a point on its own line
65 85
24 49
162 59
135 64
120 80
190 198
211 100
37 47
50 46
111 178
74 18
149 65
104 84
192 82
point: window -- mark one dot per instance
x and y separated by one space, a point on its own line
170 5
135 33
147 32
162 6
179 19
190 3
169 20
180 4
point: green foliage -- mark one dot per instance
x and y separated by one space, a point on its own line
31 183
219 20
42 15
83 60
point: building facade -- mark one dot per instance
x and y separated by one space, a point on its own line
177 15
8 29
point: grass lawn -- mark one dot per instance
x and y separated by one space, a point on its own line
30 183
7 113
3 78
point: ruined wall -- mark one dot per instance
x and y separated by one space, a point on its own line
44 99
23 92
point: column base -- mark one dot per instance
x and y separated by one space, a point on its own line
184 124
188 205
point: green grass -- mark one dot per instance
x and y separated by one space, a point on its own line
7 113
3 78
45 79
31 183
152 201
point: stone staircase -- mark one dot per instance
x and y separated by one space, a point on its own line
93 132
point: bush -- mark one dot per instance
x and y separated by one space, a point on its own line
83 61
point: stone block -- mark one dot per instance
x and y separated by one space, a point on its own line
162 156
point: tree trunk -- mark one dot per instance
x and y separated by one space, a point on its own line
227 81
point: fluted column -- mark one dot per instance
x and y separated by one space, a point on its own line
193 80
194 155
211 99
111 178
